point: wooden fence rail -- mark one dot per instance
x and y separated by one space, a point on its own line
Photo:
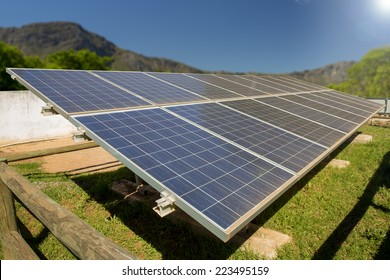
80 238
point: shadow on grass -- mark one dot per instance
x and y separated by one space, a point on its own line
34 241
271 210
174 240
333 243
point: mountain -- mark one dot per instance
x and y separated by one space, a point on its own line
330 74
42 39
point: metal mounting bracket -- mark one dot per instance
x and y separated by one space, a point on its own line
165 205
80 136
48 110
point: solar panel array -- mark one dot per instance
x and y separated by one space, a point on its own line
224 146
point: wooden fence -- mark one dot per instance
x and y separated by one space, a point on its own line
80 238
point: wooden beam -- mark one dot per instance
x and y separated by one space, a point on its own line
80 238
7 210
16 248
51 151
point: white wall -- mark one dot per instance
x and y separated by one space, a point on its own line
21 119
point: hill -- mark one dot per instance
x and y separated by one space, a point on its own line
42 39
330 74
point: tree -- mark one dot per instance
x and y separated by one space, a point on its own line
83 59
11 56
370 77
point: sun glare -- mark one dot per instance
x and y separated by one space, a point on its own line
384 5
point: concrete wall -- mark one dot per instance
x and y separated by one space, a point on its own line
21 119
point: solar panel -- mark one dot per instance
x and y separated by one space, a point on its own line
241 80
212 179
150 88
73 91
229 85
270 142
299 99
303 127
310 113
365 105
307 85
222 146
263 80
203 89
337 103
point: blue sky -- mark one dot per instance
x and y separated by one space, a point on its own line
271 36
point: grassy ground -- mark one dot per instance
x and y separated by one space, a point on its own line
330 214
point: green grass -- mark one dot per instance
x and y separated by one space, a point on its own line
330 214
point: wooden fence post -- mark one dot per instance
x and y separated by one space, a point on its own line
14 246
80 238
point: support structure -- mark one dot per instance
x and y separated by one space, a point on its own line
165 205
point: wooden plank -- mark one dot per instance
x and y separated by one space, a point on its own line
51 151
16 248
80 238
7 210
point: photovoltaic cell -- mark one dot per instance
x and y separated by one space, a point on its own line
264 80
77 91
305 128
290 86
237 88
348 115
307 85
352 100
336 103
241 80
196 86
209 174
268 141
148 87
310 113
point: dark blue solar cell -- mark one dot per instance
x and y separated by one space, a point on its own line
179 185
212 171
201 169
146 162
194 161
164 157
179 166
77 91
130 151
118 142
216 190
161 173
262 186
240 209
230 182
268 141
199 199
196 176
250 194
222 215
149 87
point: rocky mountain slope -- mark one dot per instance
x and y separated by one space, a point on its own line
41 39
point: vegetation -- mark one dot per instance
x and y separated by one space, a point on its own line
330 214
11 56
83 59
370 77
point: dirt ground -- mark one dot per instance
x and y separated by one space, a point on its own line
88 160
